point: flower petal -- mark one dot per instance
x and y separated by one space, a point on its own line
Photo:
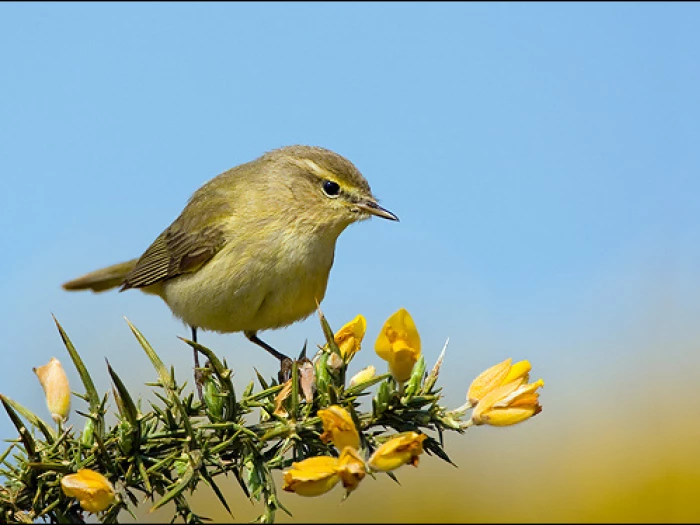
400 450
349 337
399 344
487 380
520 370
502 417
508 404
351 468
93 491
339 427
312 477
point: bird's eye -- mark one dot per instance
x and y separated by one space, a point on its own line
331 188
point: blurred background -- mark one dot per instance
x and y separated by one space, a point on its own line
543 160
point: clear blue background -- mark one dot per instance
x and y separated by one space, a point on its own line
543 160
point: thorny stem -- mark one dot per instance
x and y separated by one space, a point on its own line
164 451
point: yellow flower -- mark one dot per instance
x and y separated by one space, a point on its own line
400 450
94 492
351 468
362 376
312 477
508 404
339 427
399 344
54 381
349 337
497 375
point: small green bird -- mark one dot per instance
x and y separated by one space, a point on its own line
253 248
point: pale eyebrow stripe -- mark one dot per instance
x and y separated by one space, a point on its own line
311 165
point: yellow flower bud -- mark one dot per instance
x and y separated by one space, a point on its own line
312 477
497 375
351 468
339 428
349 337
399 344
362 376
54 381
92 490
400 450
508 404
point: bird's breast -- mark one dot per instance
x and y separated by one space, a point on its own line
254 285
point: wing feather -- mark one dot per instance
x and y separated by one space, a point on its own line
173 253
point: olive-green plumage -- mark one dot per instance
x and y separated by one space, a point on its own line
253 247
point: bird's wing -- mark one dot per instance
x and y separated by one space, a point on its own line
174 253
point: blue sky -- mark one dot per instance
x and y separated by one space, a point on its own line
543 160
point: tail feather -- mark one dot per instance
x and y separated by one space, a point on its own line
102 279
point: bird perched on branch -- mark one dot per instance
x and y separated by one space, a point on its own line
253 247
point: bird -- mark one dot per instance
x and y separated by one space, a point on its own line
253 248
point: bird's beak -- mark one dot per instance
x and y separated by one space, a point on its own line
375 209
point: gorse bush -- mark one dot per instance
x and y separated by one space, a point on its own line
309 424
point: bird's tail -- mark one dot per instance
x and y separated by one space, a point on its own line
102 279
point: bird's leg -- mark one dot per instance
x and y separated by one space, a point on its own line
197 371
253 337
285 362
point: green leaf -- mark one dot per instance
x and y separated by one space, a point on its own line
213 400
248 390
165 377
125 400
180 485
35 420
226 403
210 481
25 436
323 377
416 380
433 375
328 333
144 474
384 394
87 438
237 475
6 453
90 390
393 476
186 423
269 392
431 445
223 373
261 380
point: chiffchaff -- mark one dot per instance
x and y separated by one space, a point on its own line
253 247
